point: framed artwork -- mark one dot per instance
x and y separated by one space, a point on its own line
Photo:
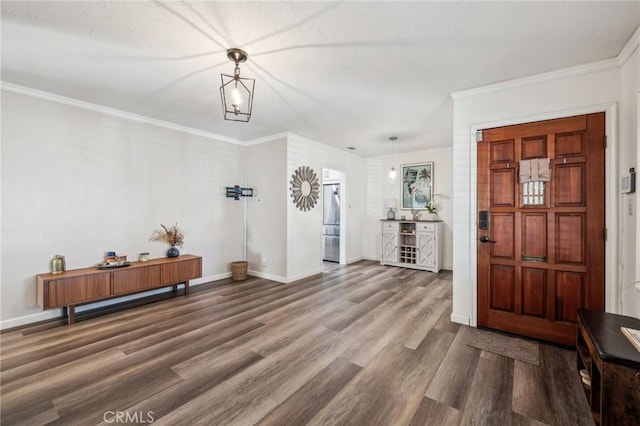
417 185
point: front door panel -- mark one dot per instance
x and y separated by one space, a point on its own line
542 256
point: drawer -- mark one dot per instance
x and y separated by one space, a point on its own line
389 226
425 227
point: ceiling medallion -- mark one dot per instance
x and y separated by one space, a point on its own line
304 188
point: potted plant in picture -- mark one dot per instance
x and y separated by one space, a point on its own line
432 207
172 236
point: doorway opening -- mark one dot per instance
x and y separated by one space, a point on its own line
333 215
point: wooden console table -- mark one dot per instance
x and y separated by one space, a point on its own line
80 286
613 365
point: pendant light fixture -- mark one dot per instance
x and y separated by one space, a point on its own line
392 173
237 92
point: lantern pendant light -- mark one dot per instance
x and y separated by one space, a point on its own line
237 92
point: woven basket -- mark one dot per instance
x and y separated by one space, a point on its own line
239 270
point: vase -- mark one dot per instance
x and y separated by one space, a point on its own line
432 216
173 252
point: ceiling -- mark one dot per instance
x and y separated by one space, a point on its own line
341 73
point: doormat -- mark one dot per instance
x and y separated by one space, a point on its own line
512 347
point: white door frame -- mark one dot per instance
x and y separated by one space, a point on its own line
612 286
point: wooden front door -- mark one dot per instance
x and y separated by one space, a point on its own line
541 245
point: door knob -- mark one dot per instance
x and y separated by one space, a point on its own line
485 239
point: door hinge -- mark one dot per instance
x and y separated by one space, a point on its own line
604 234
478 136
605 141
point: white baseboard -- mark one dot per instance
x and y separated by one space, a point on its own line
282 279
354 260
29 319
266 276
305 275
459 319
210 278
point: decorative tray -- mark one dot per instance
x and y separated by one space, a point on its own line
113 265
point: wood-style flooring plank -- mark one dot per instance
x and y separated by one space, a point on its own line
85 406
569 402
445 324
532 391
342 319
196 383
35 365
451 383
43 386
432 412
39 413
490 392
260 388
303 404
389 390
424 321
374 331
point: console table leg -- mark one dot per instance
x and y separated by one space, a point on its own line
186 288
70 313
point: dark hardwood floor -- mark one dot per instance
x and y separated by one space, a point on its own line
362 344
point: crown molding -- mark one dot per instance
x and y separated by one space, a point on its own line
629 48
63 100
604 65
303 139
578 70
264 139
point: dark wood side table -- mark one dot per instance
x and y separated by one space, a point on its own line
613 365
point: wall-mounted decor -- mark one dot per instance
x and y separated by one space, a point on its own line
417 185
304 188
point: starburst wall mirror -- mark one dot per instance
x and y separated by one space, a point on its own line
305 188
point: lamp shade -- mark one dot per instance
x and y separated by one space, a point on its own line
391 203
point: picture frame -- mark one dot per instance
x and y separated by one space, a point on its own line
417 185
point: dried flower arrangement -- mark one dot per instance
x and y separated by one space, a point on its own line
172 235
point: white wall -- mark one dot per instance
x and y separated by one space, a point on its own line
563 93
265 170
288 239
81 180
629 156
380 188
304 228
79 183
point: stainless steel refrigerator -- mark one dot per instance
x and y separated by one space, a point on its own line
331 223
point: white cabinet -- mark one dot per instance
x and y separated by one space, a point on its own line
412 244
390 242
427 245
